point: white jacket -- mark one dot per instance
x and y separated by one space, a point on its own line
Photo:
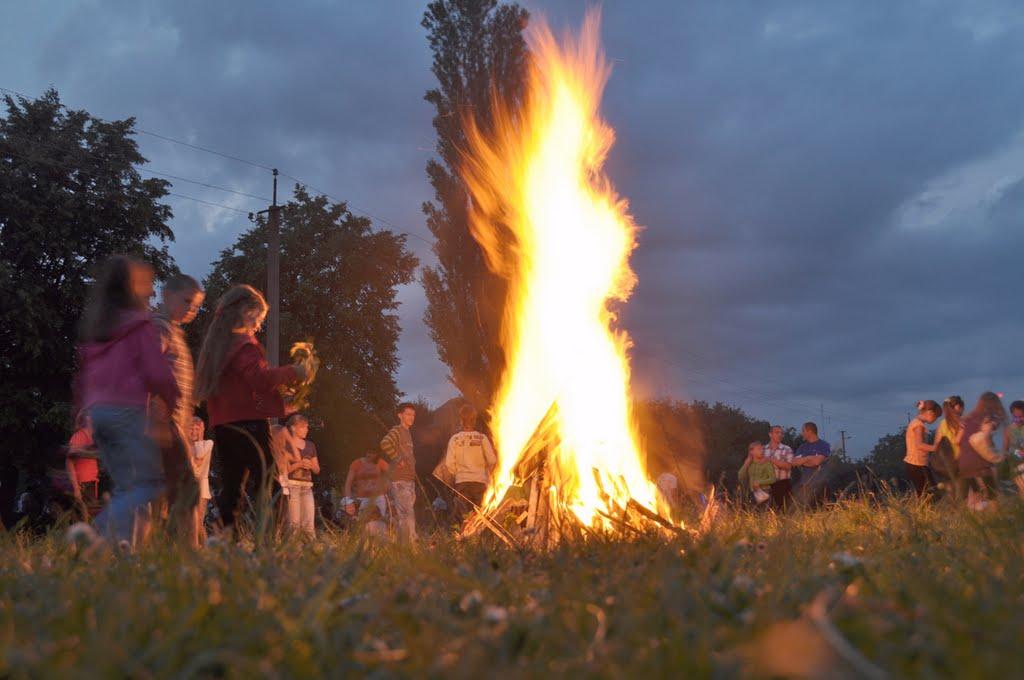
470 457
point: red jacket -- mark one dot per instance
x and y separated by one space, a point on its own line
127 368
248 385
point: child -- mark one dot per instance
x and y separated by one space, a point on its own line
302 463
973 464
397 449
982 484
241 392
947 444
1013 444
470 460
759 472
83 469
121 368
202 453
915 463
366 485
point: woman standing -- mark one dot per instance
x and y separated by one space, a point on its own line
915 463
240 390
121 368
975 465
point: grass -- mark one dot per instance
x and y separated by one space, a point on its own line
912 590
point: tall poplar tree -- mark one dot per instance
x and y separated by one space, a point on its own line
479 55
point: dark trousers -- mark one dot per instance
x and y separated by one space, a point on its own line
920 476
243 463
473 492
782 494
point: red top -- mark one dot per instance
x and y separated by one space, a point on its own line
248 385
87 470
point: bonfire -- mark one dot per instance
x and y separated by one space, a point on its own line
550 222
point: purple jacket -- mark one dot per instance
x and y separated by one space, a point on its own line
127 368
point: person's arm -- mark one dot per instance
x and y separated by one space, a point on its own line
257 373
920 443
349 478
490 458
744 474
156 372
314 465
449 457
1006 440
781 464
389 445
69 465
983 445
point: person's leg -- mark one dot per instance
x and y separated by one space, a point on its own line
915 474
294 508
307 514
404 502
133 460
232 450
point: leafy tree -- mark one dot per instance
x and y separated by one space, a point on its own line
886 458
338 289
70 195
479 54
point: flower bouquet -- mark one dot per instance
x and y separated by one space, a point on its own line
298 393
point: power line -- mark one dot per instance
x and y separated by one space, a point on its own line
203 148
351 206
210 203
65 166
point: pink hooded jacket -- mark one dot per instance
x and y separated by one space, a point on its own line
127 368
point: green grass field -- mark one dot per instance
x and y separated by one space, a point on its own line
861 590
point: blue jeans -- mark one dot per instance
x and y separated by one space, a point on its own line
133 461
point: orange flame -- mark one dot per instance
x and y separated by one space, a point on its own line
551 224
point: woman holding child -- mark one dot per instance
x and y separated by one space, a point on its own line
241 392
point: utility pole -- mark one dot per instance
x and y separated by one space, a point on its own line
842 433
273 345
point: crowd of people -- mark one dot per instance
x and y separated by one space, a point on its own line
140 453
136 396
961 458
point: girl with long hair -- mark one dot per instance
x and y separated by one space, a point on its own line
121 367
975 464
915 463
947 443
240 390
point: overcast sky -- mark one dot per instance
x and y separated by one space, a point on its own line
831 192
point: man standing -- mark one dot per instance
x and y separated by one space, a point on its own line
397 449
814 451
470 459
181 298
781 457
810 455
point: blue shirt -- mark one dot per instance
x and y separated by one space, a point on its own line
818 448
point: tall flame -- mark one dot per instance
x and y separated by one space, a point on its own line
551 224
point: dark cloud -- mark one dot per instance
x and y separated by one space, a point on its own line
831 192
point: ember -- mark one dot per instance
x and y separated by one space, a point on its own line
550 222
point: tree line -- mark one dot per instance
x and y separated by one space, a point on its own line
71 194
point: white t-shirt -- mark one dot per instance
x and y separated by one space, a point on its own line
470 457
201 454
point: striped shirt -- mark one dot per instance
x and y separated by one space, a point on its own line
782 454
397 449
179 356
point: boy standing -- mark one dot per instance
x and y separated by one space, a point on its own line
398 452
181 298
759 472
